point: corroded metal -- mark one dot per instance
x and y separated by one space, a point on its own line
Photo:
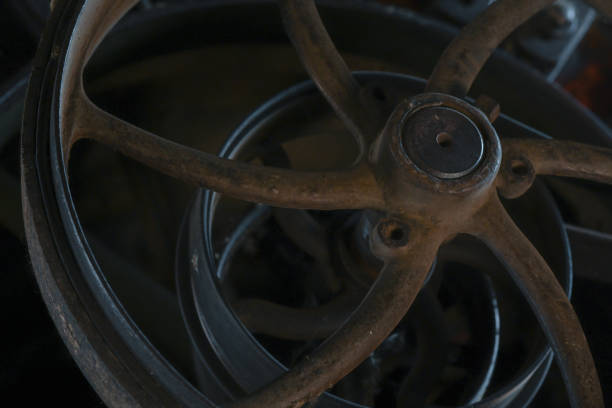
547 299
461 62
383 307
526 158
344 189
414 194
407 241
420 203
327 68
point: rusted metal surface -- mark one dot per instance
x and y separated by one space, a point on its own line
383 307
279 187
489 106
421 205
547 299
526 158
327 68
461 62
275 186
407 241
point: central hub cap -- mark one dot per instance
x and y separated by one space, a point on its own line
442 142
436 159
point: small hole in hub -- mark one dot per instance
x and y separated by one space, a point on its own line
393 233
397 234
444 139
519 167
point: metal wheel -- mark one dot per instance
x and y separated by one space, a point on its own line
431 170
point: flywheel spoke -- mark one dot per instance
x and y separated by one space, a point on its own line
547 299
408 255
326 67
93 25
463 59
525 158
380 311
323 190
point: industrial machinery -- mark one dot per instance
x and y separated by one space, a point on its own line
250 203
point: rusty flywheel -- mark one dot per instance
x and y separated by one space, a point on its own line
433 169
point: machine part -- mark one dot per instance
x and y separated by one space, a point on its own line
245 358
468 199
553 35
548 39
443 142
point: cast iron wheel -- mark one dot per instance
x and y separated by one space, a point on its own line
217 307
430 171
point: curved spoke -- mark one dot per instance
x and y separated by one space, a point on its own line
547 299
102 18
331 190
380 311
326 67
93 25
463 59
525 158
563 158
